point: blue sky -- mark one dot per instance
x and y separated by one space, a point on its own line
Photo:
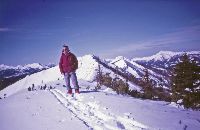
34 30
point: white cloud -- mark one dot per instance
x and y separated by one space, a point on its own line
5 29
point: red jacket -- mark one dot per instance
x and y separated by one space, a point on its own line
68 63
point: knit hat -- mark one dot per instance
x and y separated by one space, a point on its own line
65 46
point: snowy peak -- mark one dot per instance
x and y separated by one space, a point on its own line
120 62
35 65
165 55
158 65
87 57
31 66
87 66
118 58
4 67
27 66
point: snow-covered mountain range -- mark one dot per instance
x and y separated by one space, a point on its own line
159 67
161 64
165 60
91 110
11 74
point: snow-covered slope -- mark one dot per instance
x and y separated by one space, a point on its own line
137 70
11 74
91 110
44 109
88 67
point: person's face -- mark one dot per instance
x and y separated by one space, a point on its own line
65 49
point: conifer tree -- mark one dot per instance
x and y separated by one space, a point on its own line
148 86
185 82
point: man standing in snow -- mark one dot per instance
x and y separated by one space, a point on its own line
68 65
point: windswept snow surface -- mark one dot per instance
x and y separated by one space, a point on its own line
87 68
91 110
37 79
97 110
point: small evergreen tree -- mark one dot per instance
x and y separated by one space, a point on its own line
99 77
107 80
161 82
120 86
185 82
146 76
147 85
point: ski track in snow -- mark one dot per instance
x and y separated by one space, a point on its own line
94 116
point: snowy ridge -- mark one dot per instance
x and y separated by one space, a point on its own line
160 65
34 65
12 74
164 55
87 71
109 67
3 67
87 67
134 68
39 78
27 66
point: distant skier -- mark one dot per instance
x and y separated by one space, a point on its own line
68 65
